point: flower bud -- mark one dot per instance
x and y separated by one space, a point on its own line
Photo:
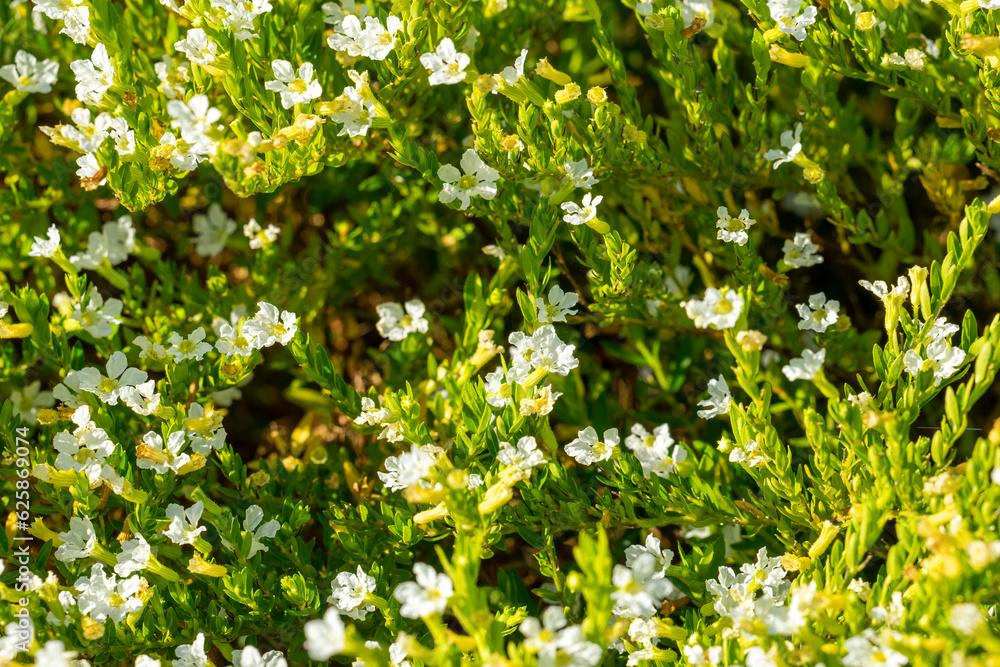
597 95
198 565
547 71
866 21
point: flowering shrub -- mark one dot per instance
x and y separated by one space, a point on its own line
476 333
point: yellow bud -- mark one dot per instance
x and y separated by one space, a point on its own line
568 94
437 512
47 416
198 565
785 57
866 21
92 630
751 340
547 71
597 95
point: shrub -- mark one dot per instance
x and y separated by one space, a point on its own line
556 333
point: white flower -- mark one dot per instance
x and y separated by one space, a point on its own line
374 41
206 438
334 13
150 350
542 351
77 542
153 455
579 215
942 359
396 325
692 9
184 528
718 309
790 22
407 469
172 77
748 453
350 36
270 326
792 143
108 388
354 111
185 156
146 661
656 451
142 398
806 366
260 238
89 168
942 329
559 306
371 413
718 399
637 594
252 525
580 175
524 456
349 593
251 657
123 136
479 180
54 654
85 449
212 229
801 252
697 656
135 553
294 89
193 654
588 450
867 650
197 47
650 549
28 402
114 243
194 119
192 347
234 340
94 76
239 16
883 291
86 135
511 74
30 76
325 636
446 66
425 596
734 230
103 596
819 314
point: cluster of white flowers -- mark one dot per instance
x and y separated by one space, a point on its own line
939 356
238 16
193 119
657 452
641 584
74 14
532 359
373 41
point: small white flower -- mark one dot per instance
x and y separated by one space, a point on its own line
294 89
801 252
806 366
213 230
650 549
819 314
560 305
172 77
260 238
93 76
371 413
428 594
396 325
693 9
251 657
791 142
524 456
252 524
580 174
866 650
270 326
108 388
588 450
150 350
103 596
142 398
325 636
197 47
135 553
184 528
407 469
637 594
192 347
512 74
479 180
790 22
446 65
28 402
153 455
941 358
734 230
582 214
30 76
89 168
718 399
234 340
656 451
349 593
77 542
193 654
718 309
354 111
85 449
